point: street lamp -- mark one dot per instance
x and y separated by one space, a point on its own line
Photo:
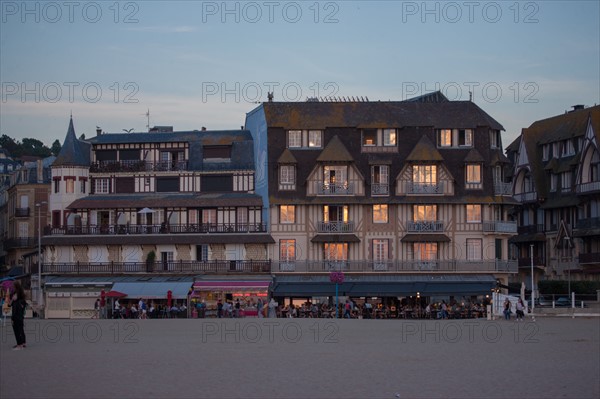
532 290
40 298
569 266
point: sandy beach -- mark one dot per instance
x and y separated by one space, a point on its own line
303 358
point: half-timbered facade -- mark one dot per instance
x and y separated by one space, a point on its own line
390 192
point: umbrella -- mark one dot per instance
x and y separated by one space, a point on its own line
146 210
115 294
169 298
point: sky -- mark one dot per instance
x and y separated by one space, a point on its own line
195 64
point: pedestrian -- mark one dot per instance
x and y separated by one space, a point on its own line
18 305
219 308
507 310
520 309
259 307
444 312
96 309
273 308
347 309
102 307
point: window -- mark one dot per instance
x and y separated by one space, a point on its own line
335 213
465 138
287 214
209 216
202 252
287 250
380 250
23 229
287 177
474 249
57 185
553 182
380 213
101 186
294 138
171 184
315 138
473 176
425 251
565 181
424 213
369 137
70 185
424 174
568 148
389 137
209 183
445 138
546 152
495 139
82 186
473 213
380 180
335 177
335 251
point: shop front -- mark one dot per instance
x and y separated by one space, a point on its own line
73 298
246 292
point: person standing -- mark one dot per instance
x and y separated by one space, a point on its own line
520 309
259 307
347 309
273 308
507 310
18 305
96 309
444 312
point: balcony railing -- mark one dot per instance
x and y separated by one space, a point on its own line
503 188
21 212
344 188
526 197
158 229
137 166
27 242
588 223
425 226
588 187
508 266
592 257
424 188
497 226
335 227
531 229
213 266
537 261
380 189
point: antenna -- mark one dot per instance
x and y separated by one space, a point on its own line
147 115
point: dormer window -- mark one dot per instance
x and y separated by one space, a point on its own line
553 182
568 149
545 152
297 139
455 138
495 141
379 140
473 180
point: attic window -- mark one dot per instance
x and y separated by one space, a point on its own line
454 138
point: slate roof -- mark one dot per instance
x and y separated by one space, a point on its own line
74 152
335 151
287 157
207 137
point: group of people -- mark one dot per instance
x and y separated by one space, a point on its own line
142 310
519 309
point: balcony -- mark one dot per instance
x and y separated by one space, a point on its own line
425 226
497 226
589 223
589 187
537 261
591 257
344 188
335 227
503 189
424 188
137 166
395 266
21 212
14 243
191 267
380 189
201 228
531 229
526 197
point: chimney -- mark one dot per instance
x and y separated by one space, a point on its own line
241 127
40 171
578 107
203 129
98 131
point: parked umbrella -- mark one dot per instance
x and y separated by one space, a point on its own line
115 294
169 298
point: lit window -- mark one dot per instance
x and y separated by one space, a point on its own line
70 185
473 176
389 136
369 137
473 213
287 250
424 213
380 213
425 251
335 251
380 250
315 138
465 137
445 138
287 214
424 174
287 177
295 138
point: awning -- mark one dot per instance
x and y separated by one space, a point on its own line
231 285
425 238
391 286
154 290
335 238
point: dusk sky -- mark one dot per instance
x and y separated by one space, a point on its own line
203 63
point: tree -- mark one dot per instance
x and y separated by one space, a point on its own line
55 147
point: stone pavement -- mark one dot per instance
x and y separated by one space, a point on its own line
303 358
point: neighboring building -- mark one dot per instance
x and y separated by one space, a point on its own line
7 166
26 212
557 183
405 197
161 203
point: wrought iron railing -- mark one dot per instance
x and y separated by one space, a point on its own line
163 228
212 266
425 226
335 227
499 226
508 266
